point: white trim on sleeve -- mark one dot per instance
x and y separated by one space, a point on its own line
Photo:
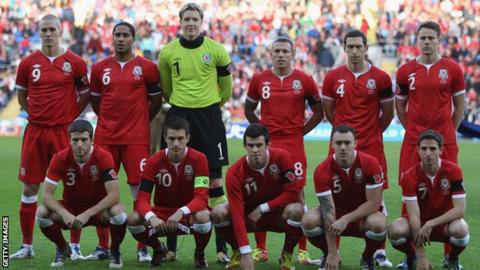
84 91
326 97
148 215
374 186
154 94
325 193
409 198
458 93
95 94
386 100
252 100
401 97
50 181
264 208
185 210
459 196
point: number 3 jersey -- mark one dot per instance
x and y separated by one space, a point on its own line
282 101
347 186
83 184
124 89
52 87
433 194
183 185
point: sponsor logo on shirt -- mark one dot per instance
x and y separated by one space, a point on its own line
443 75
94 172
206 58
371 85
67 67
445 186
358 175
274 171
341 81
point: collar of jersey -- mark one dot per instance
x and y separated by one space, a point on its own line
191 44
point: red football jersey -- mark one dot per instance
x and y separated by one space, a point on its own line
357 103
124 90
347 186
52 87
282 100
83 184
429 92
435 196
176 185
276 185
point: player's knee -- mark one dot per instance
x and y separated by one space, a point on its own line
397 230
201 216
293 211
202 228
42 211
117 209
376 222
311 219
312 232
458 229
220 213
134 219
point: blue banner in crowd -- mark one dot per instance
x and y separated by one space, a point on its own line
394 133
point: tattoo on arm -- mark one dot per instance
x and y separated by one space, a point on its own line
328 211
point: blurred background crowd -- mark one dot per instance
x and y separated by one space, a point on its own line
246 28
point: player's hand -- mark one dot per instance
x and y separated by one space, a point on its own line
68 219
173 220
332 261
423 236
158 224
246 262
424 264
80 220
338 227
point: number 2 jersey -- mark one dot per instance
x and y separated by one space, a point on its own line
275 185
83 184
183 185
347 186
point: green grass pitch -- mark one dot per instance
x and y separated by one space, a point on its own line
350 248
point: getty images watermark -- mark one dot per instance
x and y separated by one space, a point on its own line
5 240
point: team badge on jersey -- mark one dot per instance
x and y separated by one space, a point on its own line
94 172
358 175
137 72
22 171
443 75
206 58
445 185
371 85
274 171
297 85
188 171
67 67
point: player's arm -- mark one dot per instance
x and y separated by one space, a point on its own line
82 101
95 101
414 222
224 80
22 96
386 118
317 116
165 75
327 206
458 109
329 108
291 192
459 205
152 84
249 111
53 204
200 196
401 97
95 89
82 86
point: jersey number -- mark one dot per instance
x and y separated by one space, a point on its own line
337 186
411 80
164 179
177 67
423 192
265 92
341 90
142 164
298 168
251 188
106 78
71 179
219 146
36 74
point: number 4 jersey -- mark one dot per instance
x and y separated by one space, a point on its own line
347 186
83 184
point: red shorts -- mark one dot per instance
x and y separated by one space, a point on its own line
294 146
272 222
409 156
438 233
38 147
132 156
76 210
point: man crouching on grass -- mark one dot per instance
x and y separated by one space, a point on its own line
90 194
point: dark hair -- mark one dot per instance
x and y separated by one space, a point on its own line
429 25
256 130
283 39
176 123
431 134
344 129
123 23
191 6
353 34
81 125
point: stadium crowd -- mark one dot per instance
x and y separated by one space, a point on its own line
246 28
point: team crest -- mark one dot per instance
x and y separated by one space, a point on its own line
371 85
94 172
188 170
274 171
137 70
22 171
207 58
443 75
297 84
67 67
445 185
358 175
